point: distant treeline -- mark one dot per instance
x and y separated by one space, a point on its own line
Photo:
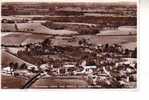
47 8
101 20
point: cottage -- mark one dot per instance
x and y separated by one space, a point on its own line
7 70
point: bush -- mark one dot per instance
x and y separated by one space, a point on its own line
88 31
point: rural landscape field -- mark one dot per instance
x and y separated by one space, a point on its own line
68 45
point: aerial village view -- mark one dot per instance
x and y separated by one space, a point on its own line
68 45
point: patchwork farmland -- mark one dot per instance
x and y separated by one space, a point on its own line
75 45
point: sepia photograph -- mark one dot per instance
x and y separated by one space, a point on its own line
69 45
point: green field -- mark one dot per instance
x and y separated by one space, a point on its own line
35 28
25 38
15 83
59 83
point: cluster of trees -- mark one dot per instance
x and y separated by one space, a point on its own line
15 66
13 21
116 20
118 49
88 31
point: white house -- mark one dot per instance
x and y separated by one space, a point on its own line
87 69
7 70
31 67
44 67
